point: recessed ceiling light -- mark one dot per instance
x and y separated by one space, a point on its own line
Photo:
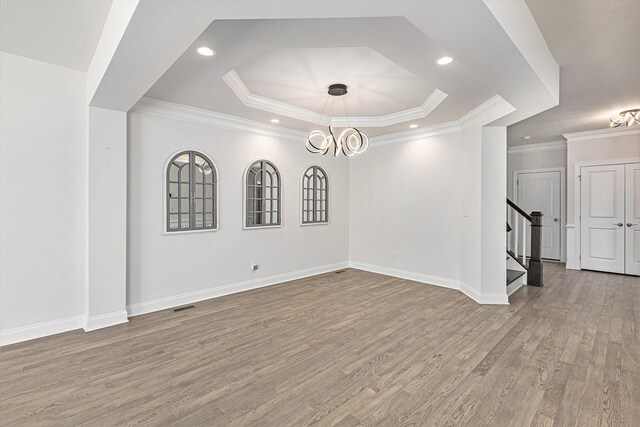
413 126
205 51
526 137
444 60
275 121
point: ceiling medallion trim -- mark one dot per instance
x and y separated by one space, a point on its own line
235 83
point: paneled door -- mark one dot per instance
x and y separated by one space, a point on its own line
632 219
540 191
602 210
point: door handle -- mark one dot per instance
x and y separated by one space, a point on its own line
555 220
619 224
631 225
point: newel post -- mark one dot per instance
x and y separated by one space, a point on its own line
534 274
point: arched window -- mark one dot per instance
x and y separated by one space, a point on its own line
262 186
315 196
191 193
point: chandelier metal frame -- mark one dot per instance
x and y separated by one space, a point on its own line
627 118
351 141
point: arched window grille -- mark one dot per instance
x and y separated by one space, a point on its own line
191 192
263 195
315 196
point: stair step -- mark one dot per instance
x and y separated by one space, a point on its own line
513 275
518 259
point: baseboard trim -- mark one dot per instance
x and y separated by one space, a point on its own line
39 330
105 320
484 298
218 291
16 335
408 275
480 298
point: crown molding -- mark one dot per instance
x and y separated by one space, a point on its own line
412 135
487 112
483 114
235 83
601 133
172 110
543 146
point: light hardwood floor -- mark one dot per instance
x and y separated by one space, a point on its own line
354 348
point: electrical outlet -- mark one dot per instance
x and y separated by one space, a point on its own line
254 265
394 256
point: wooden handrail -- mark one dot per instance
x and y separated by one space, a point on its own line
520 211
534 273
534 269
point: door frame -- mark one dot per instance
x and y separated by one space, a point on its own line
563 200
576 227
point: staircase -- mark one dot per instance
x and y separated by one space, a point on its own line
524 264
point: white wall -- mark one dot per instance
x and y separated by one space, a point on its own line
43 189
482 238
411 207
405 200
165 270
533 160
105 297
471 221
494 218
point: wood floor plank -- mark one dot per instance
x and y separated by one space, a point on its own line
355 348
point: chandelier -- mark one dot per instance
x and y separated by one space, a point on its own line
627 118
351 140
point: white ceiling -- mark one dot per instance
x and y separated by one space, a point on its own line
293 61
60 32
595 42
387 61
300 77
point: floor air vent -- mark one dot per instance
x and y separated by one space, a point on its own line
186 307
341 271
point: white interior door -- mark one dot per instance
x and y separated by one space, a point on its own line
632 219
602 210
540 191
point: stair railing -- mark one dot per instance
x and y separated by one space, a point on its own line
518 222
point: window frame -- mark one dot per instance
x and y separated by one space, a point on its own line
166 199
302 199
245 187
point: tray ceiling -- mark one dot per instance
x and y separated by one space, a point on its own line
266 69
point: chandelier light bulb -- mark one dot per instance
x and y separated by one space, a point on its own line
351 141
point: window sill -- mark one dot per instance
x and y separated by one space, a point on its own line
261 227
206 230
